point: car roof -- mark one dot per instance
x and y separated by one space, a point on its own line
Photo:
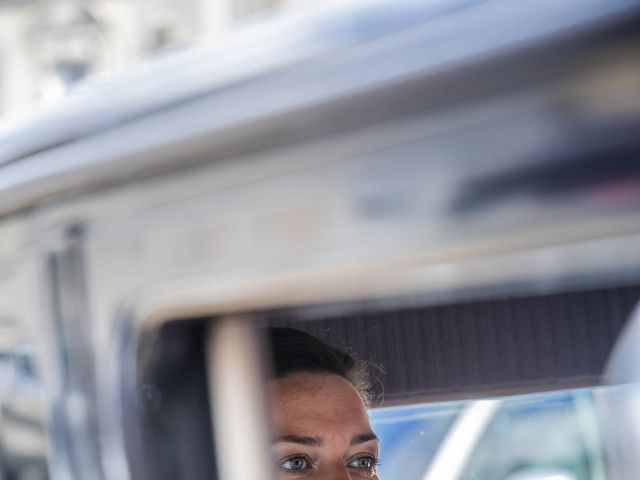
269 48
265 44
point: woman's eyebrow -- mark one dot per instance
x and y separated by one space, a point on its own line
310 441
365 437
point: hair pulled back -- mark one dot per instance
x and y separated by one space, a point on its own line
294 351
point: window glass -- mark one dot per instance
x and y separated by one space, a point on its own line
410 436
526 436
532 433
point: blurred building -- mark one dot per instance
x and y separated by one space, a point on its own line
47 46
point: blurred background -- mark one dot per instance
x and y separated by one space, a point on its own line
48 46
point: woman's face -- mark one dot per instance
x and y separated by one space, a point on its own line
321 428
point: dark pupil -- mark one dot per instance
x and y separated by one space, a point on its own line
365 462
297 463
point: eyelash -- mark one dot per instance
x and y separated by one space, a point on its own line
293 457
375 461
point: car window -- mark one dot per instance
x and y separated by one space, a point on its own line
410 436
549 432
533 433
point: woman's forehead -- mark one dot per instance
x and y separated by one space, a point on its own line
316 401
303 386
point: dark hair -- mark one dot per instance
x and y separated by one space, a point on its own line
294 351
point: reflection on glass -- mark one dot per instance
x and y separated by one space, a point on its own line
535 437
532 433
410 436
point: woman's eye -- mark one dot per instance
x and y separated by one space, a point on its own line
295 464
366 463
